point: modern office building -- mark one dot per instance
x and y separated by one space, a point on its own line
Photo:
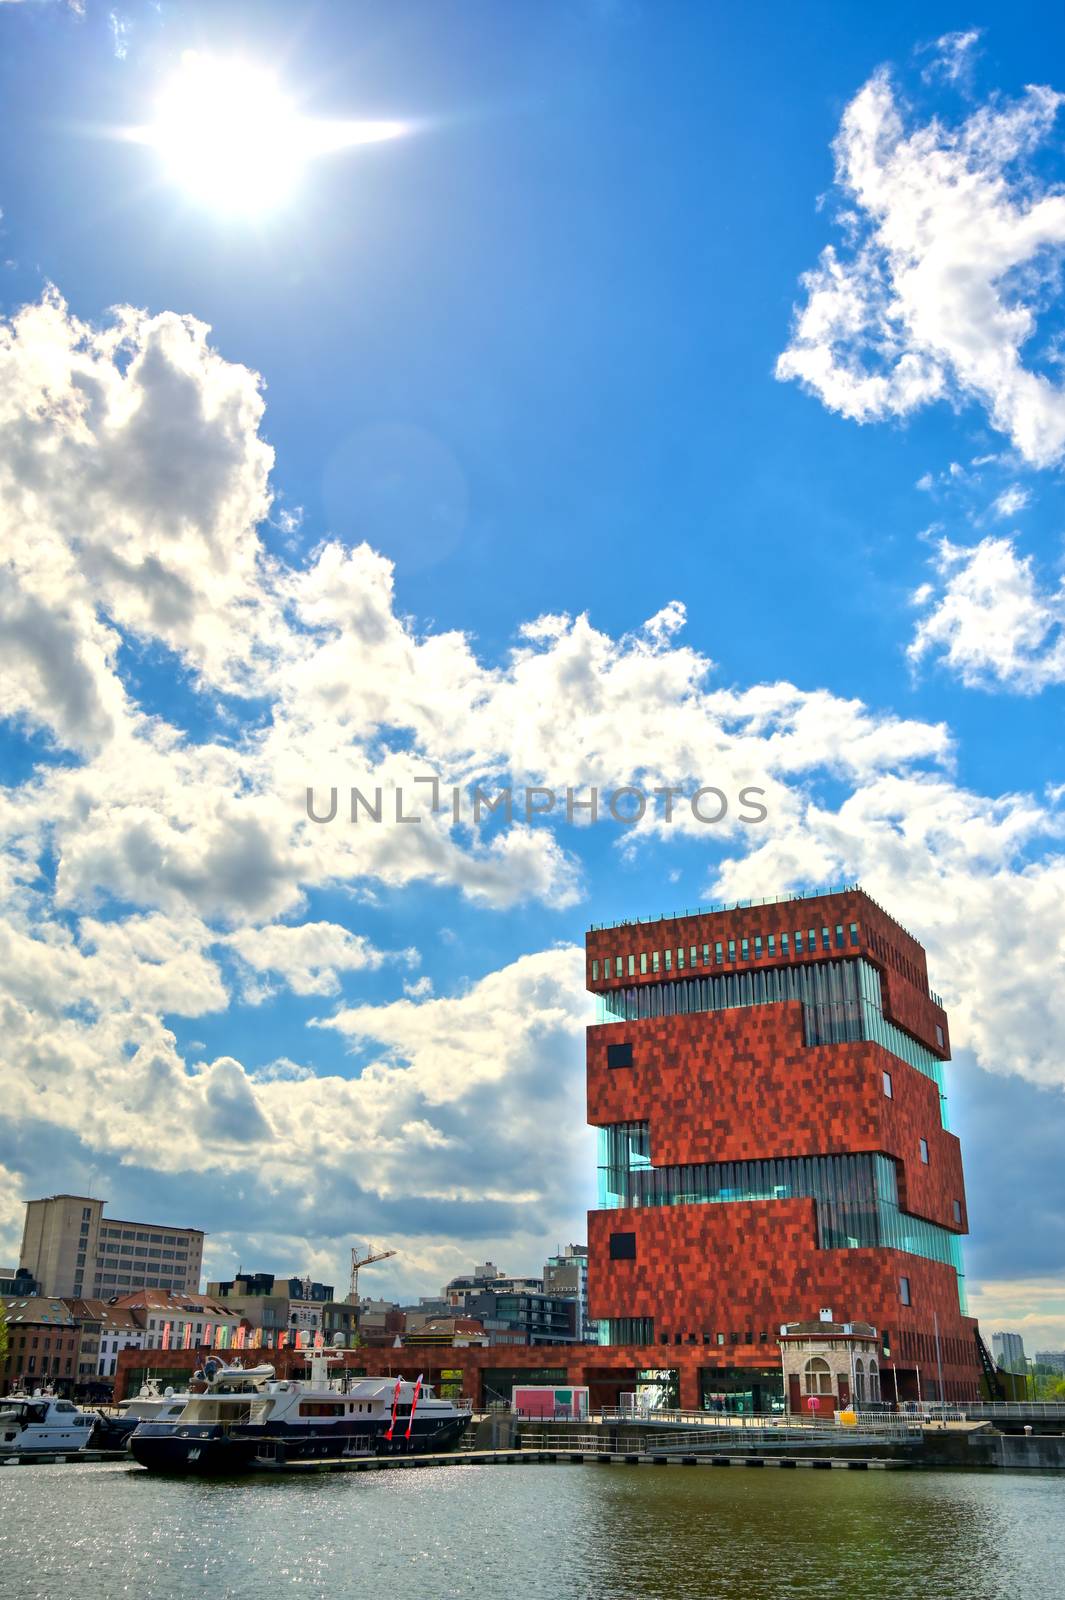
1008 1351
516 1309
768 1085
566 1274
72 1249
1053 1360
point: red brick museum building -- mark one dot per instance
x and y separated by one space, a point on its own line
767 1086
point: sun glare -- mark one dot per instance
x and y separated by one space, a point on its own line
233 140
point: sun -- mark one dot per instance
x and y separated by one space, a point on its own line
233 140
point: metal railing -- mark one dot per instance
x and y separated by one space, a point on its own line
711 1441
988 1410
889 1423
733 905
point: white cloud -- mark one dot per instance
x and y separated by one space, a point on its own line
979 880
953 243
1032 1307
145 860
309 955
990 622
952 56
12 1215
1011 500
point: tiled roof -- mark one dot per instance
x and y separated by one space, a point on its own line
163 1300
102 1311
39 1309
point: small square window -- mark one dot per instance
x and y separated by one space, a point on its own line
619 1055
904 1291
940 1041
924 1151
887 1086
623 1247
957 1212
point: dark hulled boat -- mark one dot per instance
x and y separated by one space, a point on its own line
248 1419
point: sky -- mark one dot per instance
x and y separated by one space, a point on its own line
578 394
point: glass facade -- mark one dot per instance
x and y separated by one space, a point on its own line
841 1001
627 1330
742 1390
856 1196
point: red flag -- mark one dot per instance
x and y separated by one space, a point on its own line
299 1339
186 1343
395 1404
318 1340
242 1334
413 1403
164 1343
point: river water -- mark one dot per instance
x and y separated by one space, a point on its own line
533 1533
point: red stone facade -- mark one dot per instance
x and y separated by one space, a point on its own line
741 1085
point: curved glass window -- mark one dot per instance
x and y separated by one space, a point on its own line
856 1196
841 1000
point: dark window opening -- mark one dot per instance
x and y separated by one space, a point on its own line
623 1247
619 1055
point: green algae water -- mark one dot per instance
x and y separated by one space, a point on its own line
533 1532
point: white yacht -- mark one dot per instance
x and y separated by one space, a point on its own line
41 1422
152 1403
249 1418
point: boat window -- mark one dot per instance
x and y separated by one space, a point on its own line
321 1408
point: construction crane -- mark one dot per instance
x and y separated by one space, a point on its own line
367 1260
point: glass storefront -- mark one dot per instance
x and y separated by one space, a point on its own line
742 1391
658 1389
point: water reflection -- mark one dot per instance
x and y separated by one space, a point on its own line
597 1533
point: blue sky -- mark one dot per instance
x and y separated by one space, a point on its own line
571 347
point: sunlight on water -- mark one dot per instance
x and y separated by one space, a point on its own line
539 1532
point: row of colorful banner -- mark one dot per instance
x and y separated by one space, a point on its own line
179 1336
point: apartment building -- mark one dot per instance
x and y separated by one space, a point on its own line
73 1250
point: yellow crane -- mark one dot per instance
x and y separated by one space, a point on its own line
367 1260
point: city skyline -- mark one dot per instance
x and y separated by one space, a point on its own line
571 416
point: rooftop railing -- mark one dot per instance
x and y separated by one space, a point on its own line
732 905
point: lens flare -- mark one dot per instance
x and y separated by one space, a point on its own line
232 139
